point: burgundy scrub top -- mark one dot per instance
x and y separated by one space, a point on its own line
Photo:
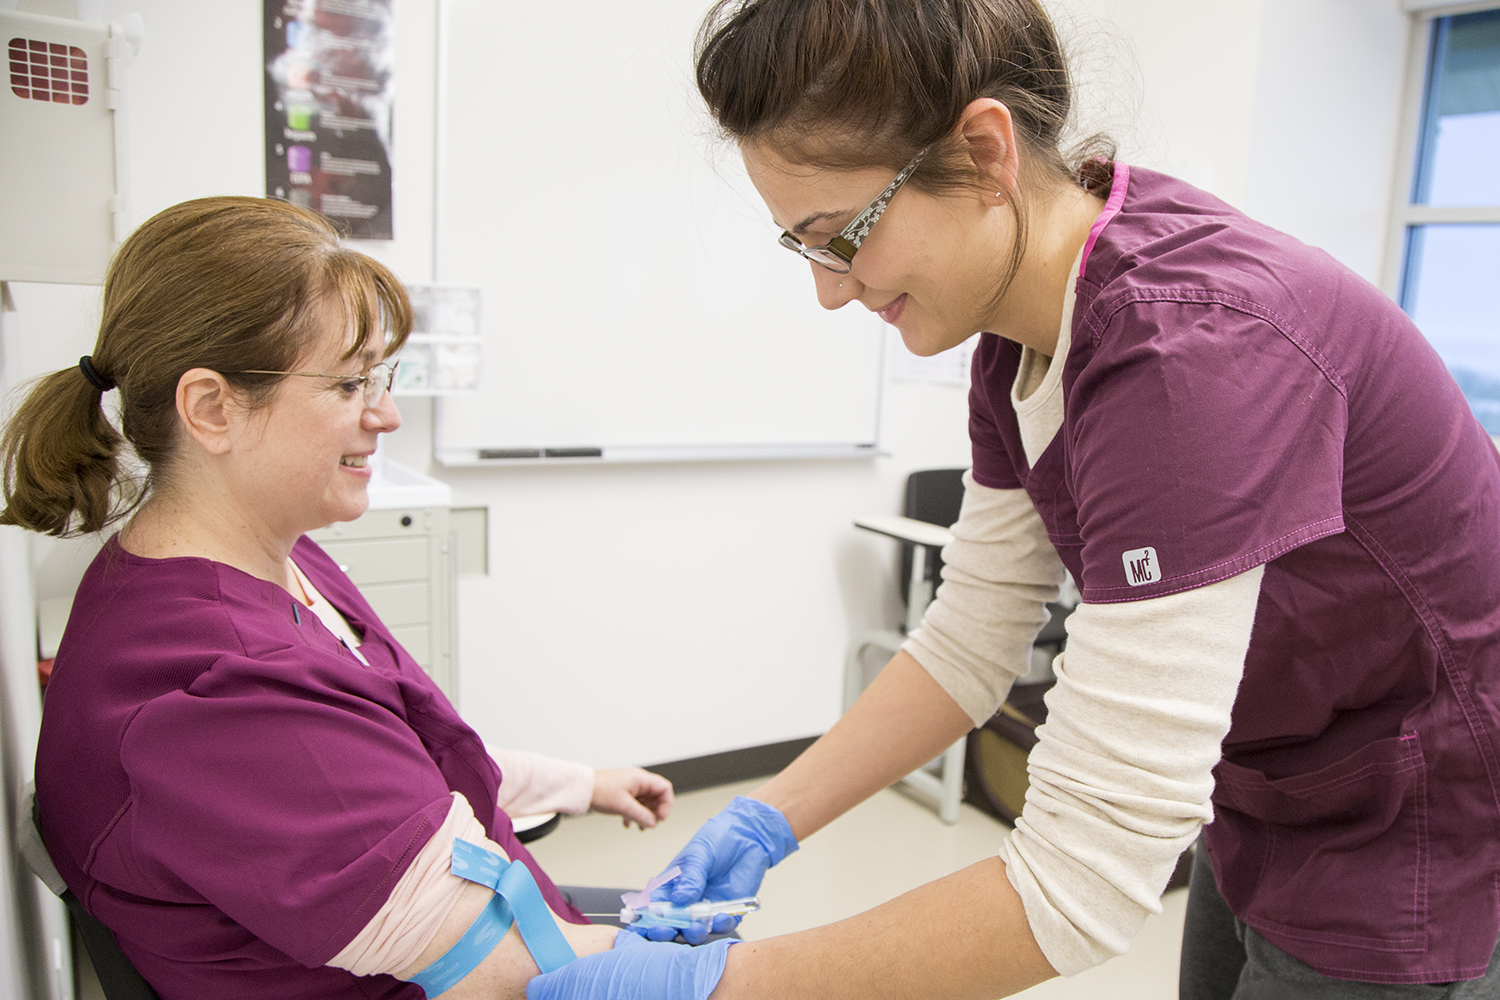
230 790
1234 398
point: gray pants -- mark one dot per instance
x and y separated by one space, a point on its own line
1222 959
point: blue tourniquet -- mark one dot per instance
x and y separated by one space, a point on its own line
516 897
471 949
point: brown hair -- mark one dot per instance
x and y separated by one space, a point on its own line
227 284
845 84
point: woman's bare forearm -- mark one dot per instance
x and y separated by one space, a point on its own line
903 720
963 937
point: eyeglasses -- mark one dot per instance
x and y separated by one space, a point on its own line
374 382
838 253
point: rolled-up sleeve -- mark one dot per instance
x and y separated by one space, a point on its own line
999 573
534 783
1122 774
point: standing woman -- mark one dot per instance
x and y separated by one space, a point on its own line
1283 519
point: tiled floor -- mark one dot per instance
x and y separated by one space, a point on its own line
881 849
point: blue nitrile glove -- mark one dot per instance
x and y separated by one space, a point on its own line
636 969
726 859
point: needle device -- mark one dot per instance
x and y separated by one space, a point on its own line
660 913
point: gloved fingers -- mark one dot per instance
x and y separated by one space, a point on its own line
695 932
660 933
688 887
740 878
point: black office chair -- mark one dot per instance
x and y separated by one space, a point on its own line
117 976
992 757
933 498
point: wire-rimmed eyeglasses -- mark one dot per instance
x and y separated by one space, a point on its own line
373 381
838 253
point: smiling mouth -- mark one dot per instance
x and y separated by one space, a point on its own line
354 461
891 311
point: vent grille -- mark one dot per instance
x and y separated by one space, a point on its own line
48 71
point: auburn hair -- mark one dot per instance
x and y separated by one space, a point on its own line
229 284
845 84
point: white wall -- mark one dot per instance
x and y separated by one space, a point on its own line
647 613
1324 133
1172 81
1287 109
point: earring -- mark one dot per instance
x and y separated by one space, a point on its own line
841 284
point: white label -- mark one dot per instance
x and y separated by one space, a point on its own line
1141 567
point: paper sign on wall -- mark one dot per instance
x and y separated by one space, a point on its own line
328 110
443 354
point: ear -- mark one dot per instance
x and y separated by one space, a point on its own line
203 406
990 134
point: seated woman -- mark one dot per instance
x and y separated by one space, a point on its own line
240 771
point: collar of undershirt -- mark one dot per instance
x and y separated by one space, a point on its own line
1036 393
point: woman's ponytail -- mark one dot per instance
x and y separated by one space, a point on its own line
61 459
236 285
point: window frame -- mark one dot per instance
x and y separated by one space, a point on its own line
1404 214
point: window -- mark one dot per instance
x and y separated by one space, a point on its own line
1449 279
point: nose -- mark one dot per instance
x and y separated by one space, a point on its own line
383 417
835 290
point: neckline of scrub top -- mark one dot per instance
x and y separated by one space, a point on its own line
1112 207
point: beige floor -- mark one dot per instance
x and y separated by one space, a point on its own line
881 849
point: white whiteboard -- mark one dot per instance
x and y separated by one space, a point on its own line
635 300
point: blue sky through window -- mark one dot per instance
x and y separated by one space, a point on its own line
1453 270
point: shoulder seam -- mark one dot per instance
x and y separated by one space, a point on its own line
1097 318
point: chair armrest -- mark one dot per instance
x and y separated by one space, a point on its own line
906 529
529 828
29 842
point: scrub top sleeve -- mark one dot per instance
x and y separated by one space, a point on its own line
283 794
1205 440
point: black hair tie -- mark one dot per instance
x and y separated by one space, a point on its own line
100 382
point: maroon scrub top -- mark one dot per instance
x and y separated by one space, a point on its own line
230 790
1234 398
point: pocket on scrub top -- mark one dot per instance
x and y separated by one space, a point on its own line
1336 856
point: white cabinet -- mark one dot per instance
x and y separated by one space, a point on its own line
403 561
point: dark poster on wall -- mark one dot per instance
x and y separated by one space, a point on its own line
328 110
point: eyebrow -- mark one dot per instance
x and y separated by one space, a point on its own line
801 227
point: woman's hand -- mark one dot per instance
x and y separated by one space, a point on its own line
726 859
636 970
634 794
